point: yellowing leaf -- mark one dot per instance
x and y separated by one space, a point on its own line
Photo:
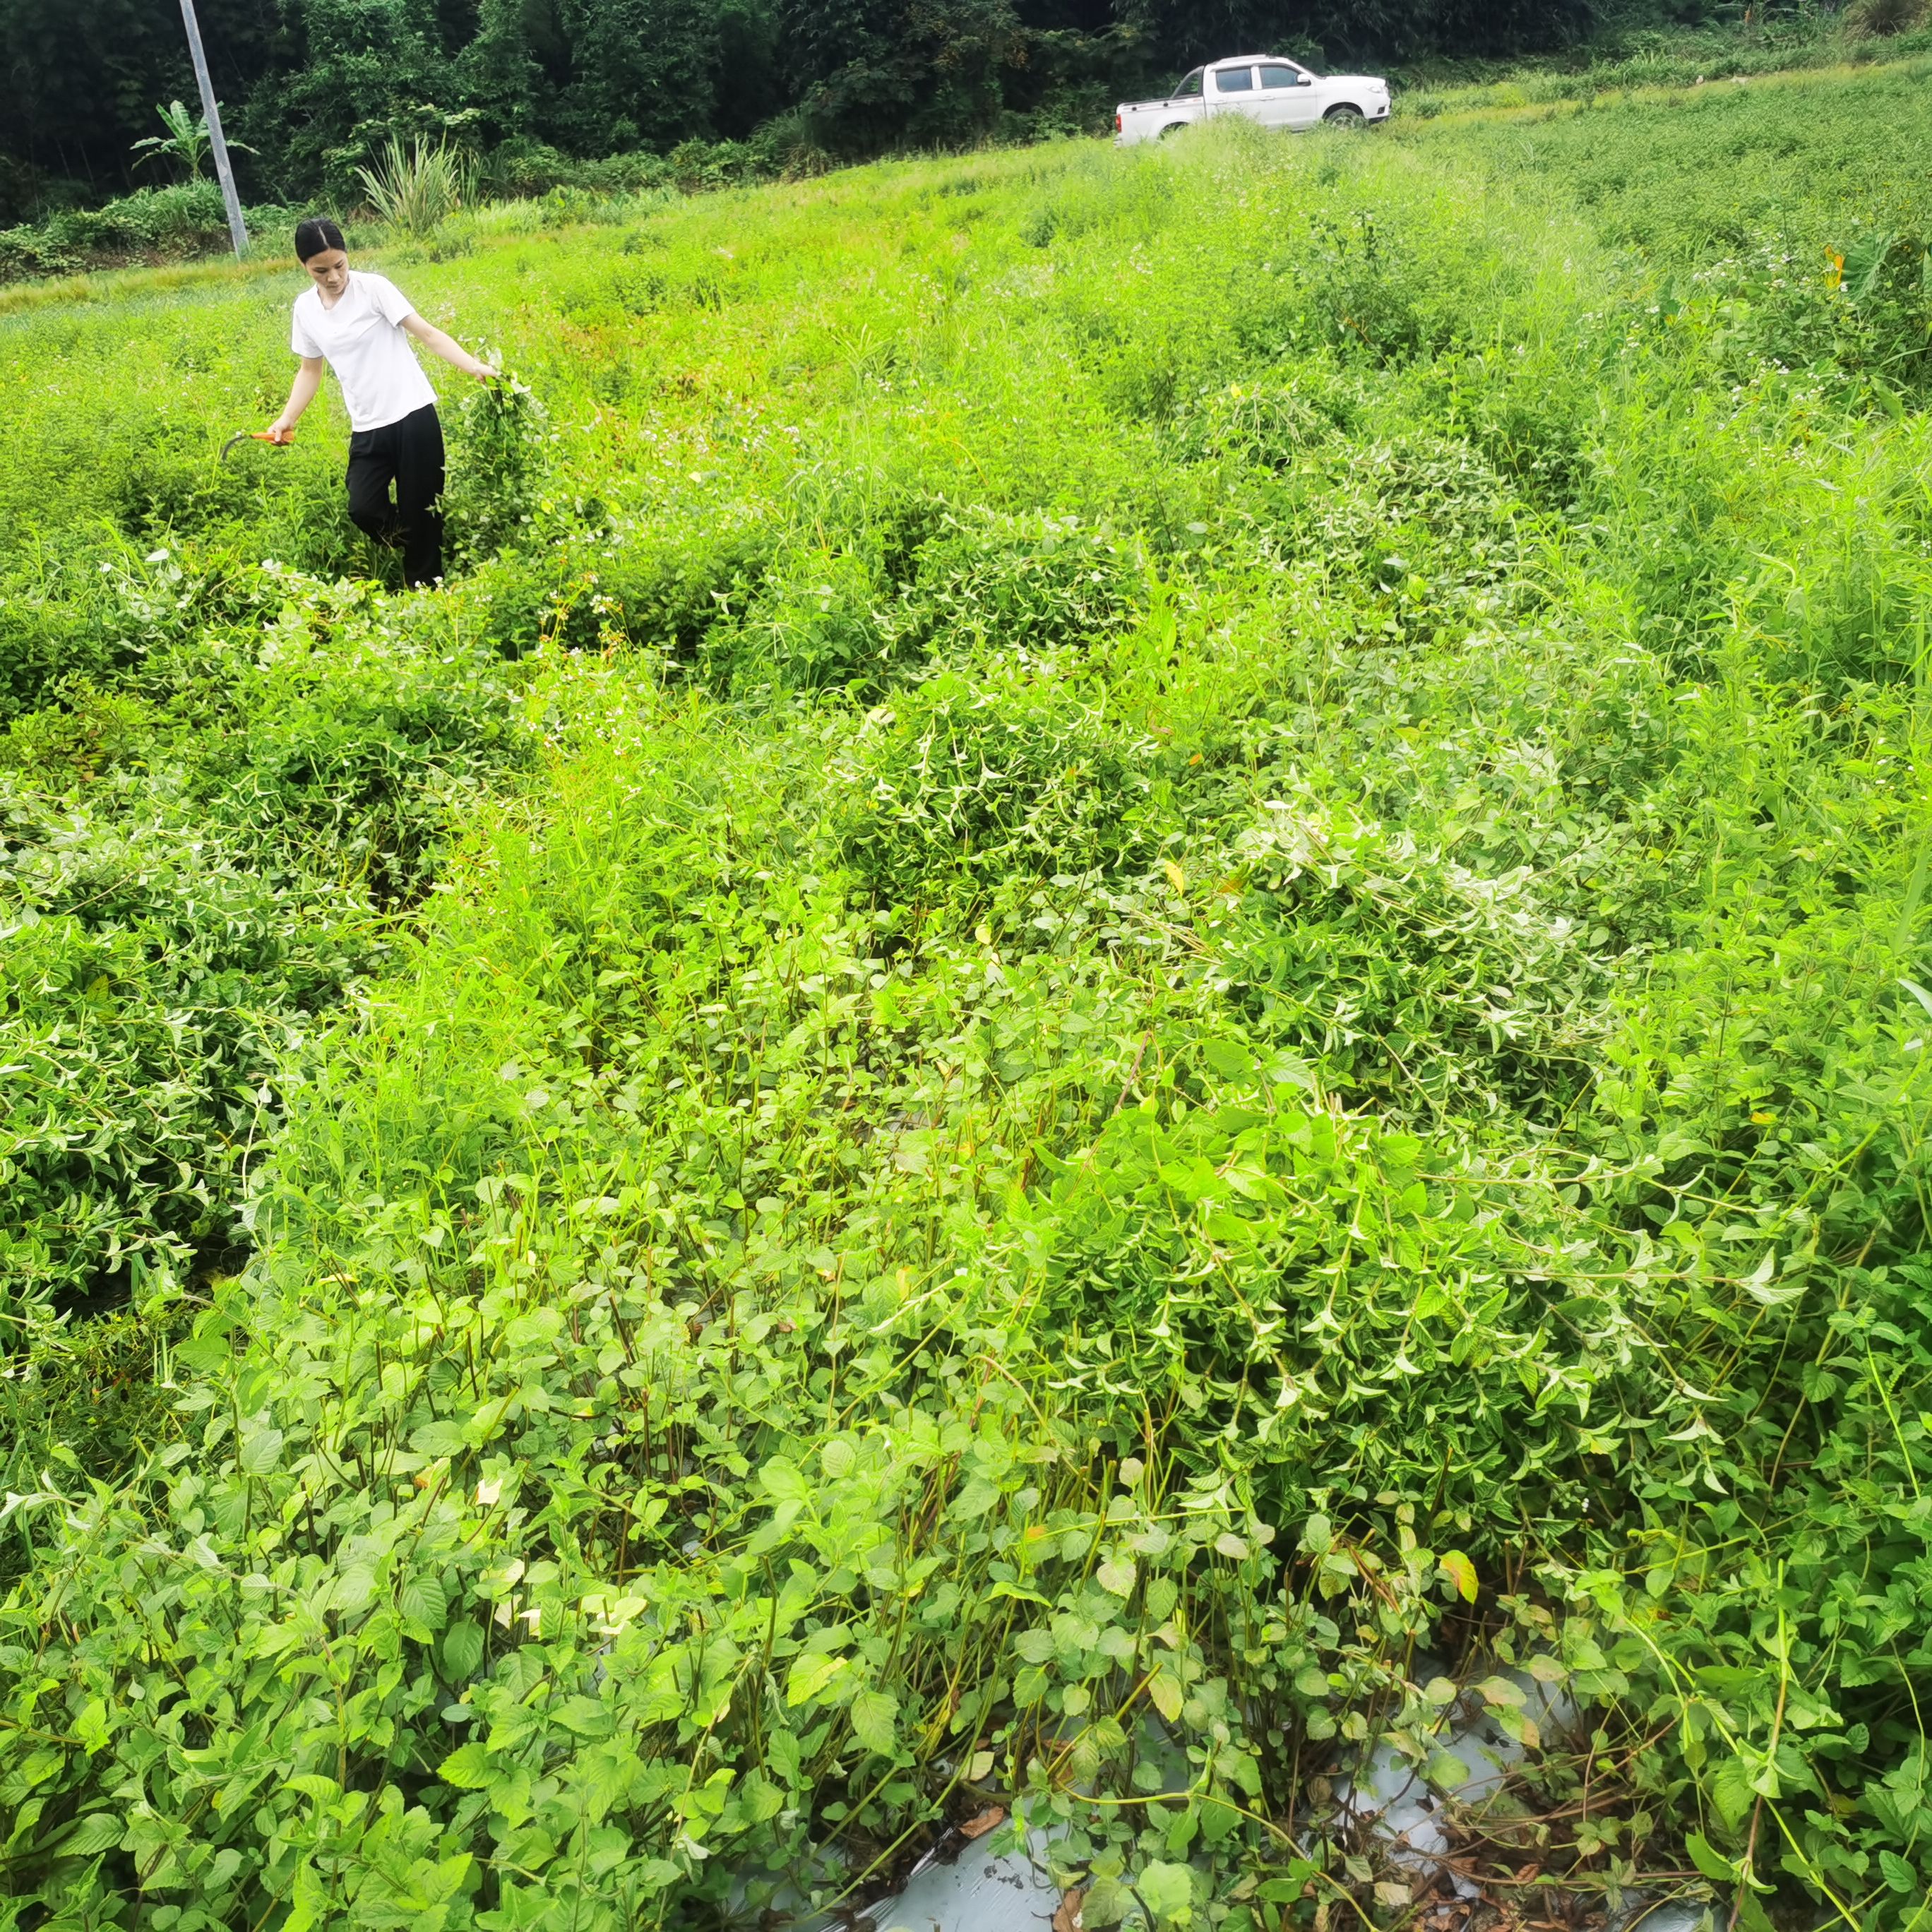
812 1675
1461 1572
1164 1688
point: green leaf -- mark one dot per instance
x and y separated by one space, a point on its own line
529 1335
261 1450
977 1497
423 1601
98 1831
586 1716
1461 1573
1003 1589
462 1649
1731 1790
1167 1890
1899 1874
441 1438
784 1482
468 1767
874 1716
1711 1862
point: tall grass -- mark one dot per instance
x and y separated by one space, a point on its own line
415 189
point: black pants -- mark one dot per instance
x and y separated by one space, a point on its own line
409 454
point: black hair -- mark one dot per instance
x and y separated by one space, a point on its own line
316 236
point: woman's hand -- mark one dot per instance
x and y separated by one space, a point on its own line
280 430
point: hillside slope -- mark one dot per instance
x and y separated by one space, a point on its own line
1140 951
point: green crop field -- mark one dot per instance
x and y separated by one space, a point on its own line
1131 986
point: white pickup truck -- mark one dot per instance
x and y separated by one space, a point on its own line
1277 92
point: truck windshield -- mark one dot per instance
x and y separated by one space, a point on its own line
1191 85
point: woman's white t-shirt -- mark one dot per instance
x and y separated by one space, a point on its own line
362 338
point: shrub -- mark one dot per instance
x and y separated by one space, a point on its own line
824 621
1880 18
984 580
47 634
966 780
157 977
185 218
350 761
667 588
1415 981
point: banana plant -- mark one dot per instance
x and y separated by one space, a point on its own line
186 141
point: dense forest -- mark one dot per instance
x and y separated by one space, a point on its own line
310 86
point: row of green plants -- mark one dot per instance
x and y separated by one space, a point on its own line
1129 989
410 191
1699 47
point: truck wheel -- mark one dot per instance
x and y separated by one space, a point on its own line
1343 116
1174 127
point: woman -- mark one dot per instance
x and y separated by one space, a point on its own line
357 325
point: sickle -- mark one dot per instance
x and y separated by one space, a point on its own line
254 435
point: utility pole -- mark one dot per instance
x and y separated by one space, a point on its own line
224 169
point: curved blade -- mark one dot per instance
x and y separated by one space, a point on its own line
231 442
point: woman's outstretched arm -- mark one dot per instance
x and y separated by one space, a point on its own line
452 351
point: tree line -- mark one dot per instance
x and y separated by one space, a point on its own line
312 86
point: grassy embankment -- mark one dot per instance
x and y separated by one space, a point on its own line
1145 935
